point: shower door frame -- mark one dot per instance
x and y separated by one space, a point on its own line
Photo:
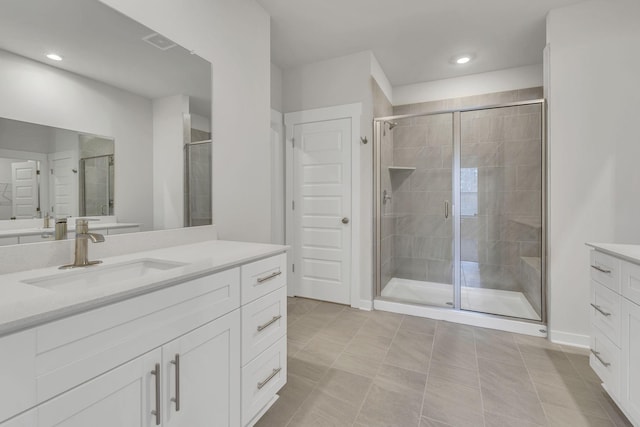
378 123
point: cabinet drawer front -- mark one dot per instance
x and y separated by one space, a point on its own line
605 311
17 373
631 281
605 361
605 269
262 277
4 241
78 348
263 378
264 321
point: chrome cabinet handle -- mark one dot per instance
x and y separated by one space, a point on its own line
446 209
600 269
156 412
269 323
269 277
597 307
269 378
176 400
597 356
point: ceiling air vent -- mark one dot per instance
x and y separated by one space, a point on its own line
159 41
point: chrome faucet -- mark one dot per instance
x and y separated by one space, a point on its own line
82 244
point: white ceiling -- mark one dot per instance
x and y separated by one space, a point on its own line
412 39
100 43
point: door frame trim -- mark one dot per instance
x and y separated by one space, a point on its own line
347 111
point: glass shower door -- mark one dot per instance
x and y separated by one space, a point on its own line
415 208
501 211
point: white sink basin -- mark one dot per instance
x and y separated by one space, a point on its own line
90 277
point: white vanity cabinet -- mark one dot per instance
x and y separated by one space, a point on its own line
264 329
95 368
615 329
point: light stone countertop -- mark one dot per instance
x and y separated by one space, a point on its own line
24 306
71 227
629 253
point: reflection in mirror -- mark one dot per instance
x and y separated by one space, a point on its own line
116 78
44 170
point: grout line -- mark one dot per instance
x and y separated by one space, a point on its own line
379 369
424 392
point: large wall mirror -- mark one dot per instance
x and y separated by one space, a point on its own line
107 110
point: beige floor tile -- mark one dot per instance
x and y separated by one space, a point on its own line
321 350
357 364
573 395
387 408
401 380
513 403
372 346
380 325
455 349
292 395
418 325
498 346
507 378
345 386
500 420
409 350
426 422
452 403
322 409
564 417
306 369
462 376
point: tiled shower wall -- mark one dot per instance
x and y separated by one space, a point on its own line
501 242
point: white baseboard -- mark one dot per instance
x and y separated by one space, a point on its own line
568 338
366 305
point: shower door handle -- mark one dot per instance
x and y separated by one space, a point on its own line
446 209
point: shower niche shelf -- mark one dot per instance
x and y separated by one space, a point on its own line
401 168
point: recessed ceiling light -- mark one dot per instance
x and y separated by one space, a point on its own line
54 57
461 59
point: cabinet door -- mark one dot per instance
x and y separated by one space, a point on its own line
630 375
124 396
202 380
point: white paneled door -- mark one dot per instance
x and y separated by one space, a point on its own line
322 210
24 176
64 182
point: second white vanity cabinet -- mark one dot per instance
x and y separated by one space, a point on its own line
615 321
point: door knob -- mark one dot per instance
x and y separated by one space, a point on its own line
345 220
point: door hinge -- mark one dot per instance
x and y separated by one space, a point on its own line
51 171
292 142
38 172
293 268
293 205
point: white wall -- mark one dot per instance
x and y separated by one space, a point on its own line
594 147
37 93
168 161
474 84
276 88
235 37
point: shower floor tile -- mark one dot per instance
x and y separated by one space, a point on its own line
495 301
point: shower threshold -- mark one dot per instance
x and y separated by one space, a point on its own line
491 301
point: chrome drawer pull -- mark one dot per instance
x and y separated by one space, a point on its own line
597 356
269 323
269 277
600 269
269 378
176 399
597 307
156 412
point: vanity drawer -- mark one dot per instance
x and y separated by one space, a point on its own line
37 238
5 241
605 311
605 361
262 379
122 230
262 277
78 348
264 321
605 269
631 281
